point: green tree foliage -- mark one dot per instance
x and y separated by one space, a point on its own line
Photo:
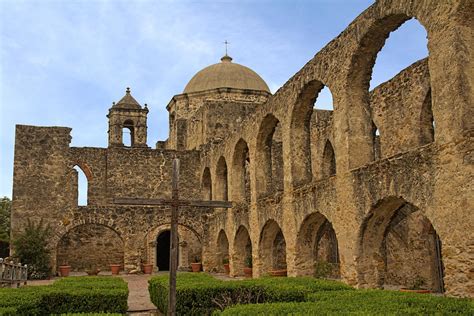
5 211
31 247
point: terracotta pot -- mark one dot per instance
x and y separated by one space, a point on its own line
196 266
147 268
115 268
420 291
248 272
227 268
64 270
278 273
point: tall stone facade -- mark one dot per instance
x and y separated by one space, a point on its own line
308 186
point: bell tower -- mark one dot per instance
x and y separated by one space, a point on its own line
127 116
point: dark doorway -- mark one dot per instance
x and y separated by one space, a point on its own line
163 251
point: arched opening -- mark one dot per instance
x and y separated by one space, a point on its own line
362 77
377 150
221 180
399 247
427 124
128 133
314 105
241 172
206 185
90 246
317 248
81 181
272 248
269 157
222 249
242 256
329 160
163 250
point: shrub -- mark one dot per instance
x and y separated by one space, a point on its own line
200 294
75 294
361 302
31 246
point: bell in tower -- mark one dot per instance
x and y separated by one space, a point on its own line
127 123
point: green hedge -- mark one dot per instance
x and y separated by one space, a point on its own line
74 294
361 302
201 294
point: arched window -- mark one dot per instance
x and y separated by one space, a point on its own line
369 68
128 133
376 142
427 124
206 185
329 160
81 186
221 180
311 121
269 156
241 172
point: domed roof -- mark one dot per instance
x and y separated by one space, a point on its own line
226 74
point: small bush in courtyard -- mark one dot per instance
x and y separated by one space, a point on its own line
31 247
201 294
360 302
70 295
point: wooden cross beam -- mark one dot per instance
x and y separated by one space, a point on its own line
175 203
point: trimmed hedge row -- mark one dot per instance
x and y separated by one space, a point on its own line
75 294
360 302
201 294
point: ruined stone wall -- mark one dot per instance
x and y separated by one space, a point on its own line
435 177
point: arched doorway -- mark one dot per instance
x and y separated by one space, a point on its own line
317 248
272 247
163 251
90 246
399 247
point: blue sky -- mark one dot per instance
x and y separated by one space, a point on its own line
62 63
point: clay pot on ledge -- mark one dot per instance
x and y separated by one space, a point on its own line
115 269
196 266
227 268
248 272
64 270
147 268
278 273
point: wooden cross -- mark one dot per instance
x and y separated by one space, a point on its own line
175 203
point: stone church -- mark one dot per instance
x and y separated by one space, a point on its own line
380 189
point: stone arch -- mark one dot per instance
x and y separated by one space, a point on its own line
301 132
189 244
222 249
427 124
397 246
241 172
269 157
317 247
329 160
361 140
272 247
206 184
221 180
242 250
90 245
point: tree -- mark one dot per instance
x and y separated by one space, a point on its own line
31 247
5 211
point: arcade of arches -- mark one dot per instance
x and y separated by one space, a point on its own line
374 189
